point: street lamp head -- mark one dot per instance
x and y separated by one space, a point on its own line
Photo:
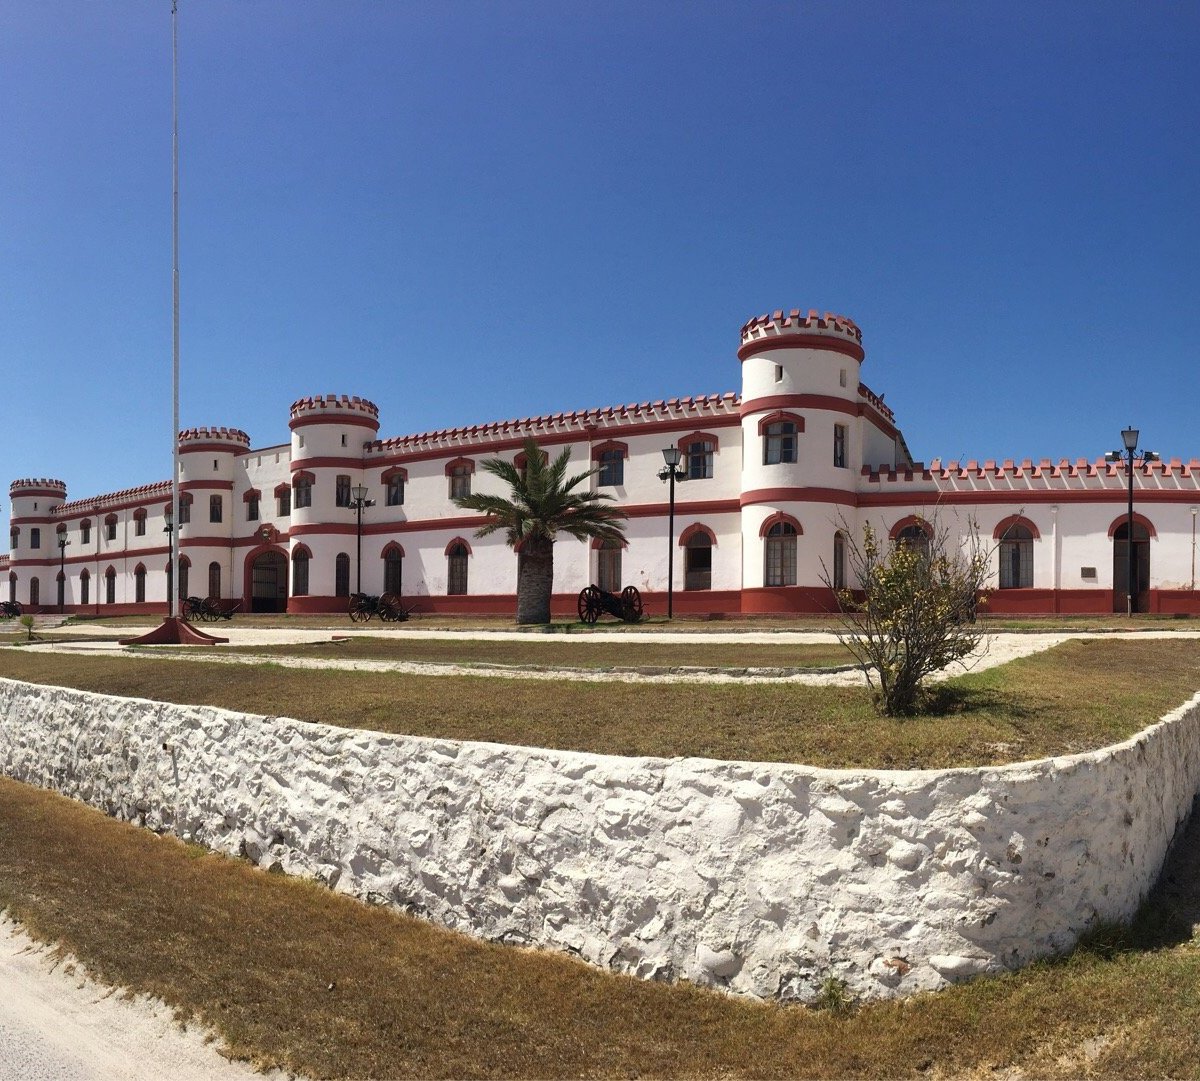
1129 436
359 491
1150 456
1113 456
671 456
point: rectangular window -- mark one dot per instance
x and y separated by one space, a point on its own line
395 491
139 526
300 575
85 534
839 446
110 531
303 494
84 582
612 469
779 443
110 589
215 508
283 502
343 491
460 483
185 510
700 460
252 509
35 537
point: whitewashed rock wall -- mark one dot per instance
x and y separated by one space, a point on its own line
764 879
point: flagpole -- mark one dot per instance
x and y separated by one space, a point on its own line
175 516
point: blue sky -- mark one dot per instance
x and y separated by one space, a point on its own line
471 211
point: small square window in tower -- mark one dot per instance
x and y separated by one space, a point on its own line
343 491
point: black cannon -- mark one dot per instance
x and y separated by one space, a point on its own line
626 605
207 609
388 608
9 609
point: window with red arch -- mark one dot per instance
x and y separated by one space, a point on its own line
779 433
85 531
697 542
110 527
393 569
610 463
300 560
139 522
696 453
460 471
458 553
394 480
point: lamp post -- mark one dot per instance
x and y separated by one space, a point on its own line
169 529
62 571
671 473
358 502
1129 438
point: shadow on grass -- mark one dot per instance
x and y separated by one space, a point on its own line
957 700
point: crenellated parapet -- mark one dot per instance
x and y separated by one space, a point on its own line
795 329
34 486
584 423
334 409
126 497
228 439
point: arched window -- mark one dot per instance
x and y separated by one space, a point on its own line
85 531
1016 558
698 458
300 572
779 442
85 581
185 566
110 527
839 560
14 537
456 569
185 509
460 480
139 522
780 555
393 480
608 566
110 586
697 560
214 580
35 537
393 570
913 536
216 508
139 584
341 575
35 591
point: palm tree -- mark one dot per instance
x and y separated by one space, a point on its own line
542 504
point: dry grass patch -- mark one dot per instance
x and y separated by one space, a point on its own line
552 652
254 956
1078 696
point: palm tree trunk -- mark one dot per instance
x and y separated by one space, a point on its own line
535 581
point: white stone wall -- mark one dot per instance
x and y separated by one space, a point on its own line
763 879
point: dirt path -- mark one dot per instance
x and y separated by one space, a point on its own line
57 1023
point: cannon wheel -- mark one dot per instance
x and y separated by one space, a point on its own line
631 604
589 605
211 610
389 608
360 608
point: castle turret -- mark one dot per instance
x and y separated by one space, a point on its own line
801 450
32 547
207 463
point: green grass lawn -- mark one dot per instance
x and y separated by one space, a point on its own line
1081 695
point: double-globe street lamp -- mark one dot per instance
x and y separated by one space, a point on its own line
359 501
1129 437
671 472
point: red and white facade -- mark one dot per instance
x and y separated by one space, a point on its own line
806 451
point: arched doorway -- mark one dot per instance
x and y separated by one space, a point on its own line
269 582
1141 567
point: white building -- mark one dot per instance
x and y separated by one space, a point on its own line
805 452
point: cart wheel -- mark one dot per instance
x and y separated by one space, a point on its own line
589 604
389 608
631 604
360 609
211 610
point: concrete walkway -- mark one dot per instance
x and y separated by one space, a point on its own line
996 649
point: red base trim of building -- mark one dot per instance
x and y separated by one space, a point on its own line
173 631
